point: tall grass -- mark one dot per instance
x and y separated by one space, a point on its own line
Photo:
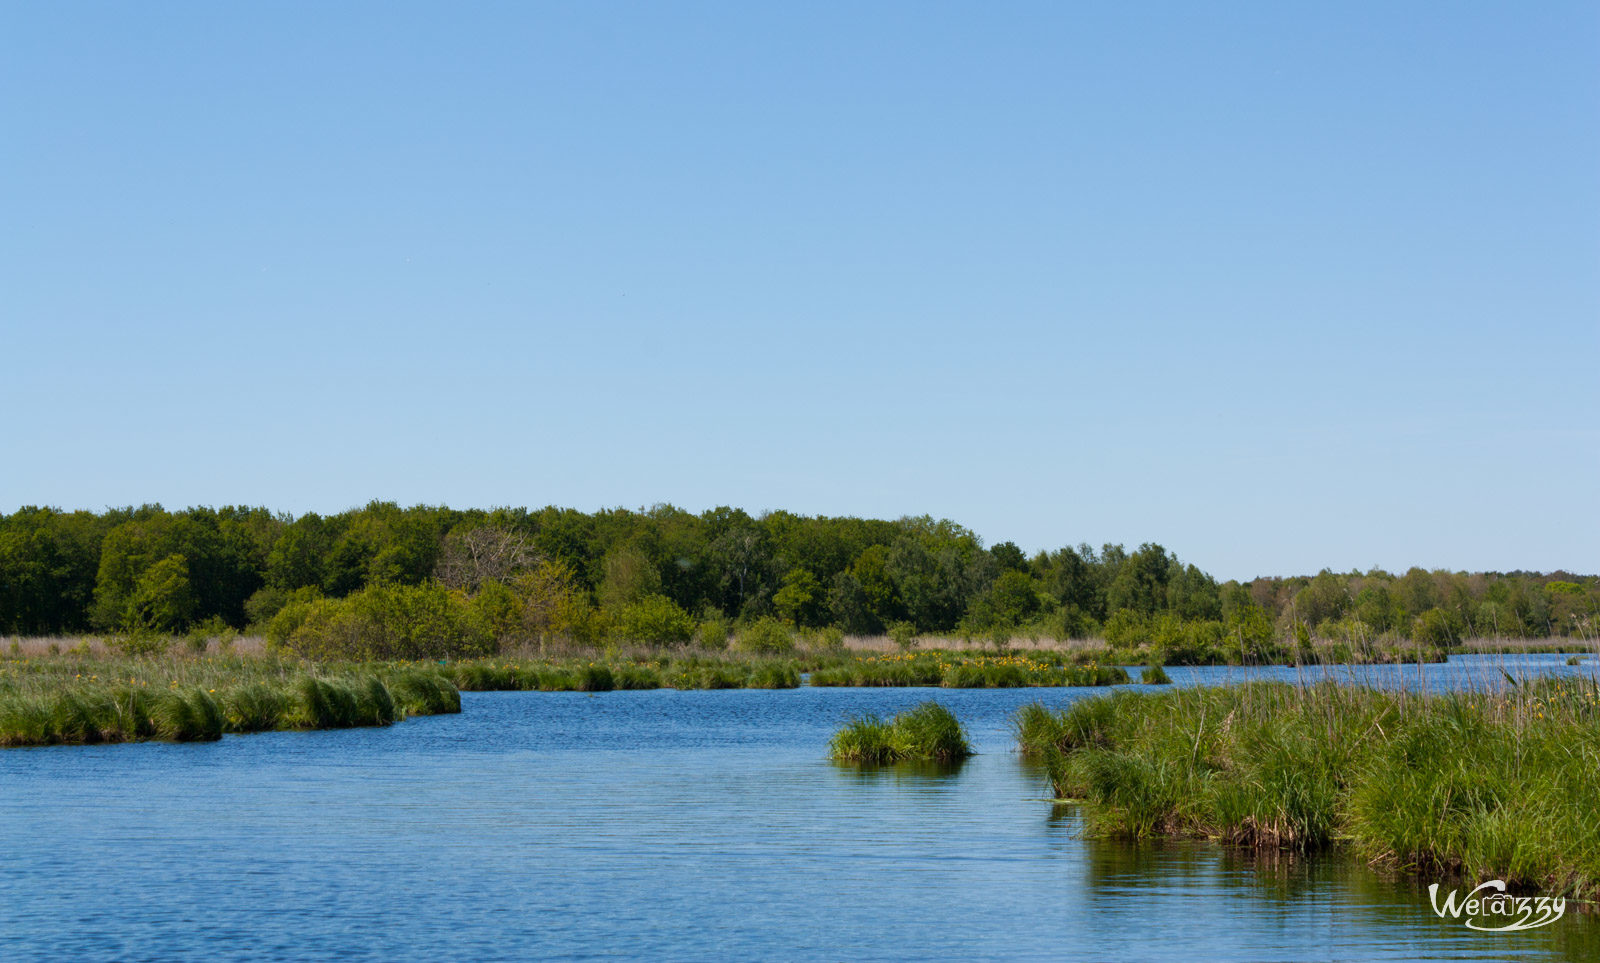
1502 784
926 732
82 700
953 671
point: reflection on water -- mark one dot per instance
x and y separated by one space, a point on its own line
652 825
908 771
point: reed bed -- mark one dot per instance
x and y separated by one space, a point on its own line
1501 784
602 675
953 671
70 700
927 732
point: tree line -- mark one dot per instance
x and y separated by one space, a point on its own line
665 574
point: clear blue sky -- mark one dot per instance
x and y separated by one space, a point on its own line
1278 286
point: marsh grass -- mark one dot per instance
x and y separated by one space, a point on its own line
926 732
1491 784
83 699
693 670
964 671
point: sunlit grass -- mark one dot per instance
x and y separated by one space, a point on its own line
956 671
76 699
1502 784
927 732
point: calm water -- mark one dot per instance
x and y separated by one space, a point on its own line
661 825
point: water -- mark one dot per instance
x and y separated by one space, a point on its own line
660 825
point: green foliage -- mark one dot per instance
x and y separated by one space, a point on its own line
1155 674
291 614
1127 628
927 732
799 601
904 635
137 643
162 599
963 672
390 622
712 634
573 573
653 619
1481 784
766 635
1436 627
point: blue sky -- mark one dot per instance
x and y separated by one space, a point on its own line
1278 287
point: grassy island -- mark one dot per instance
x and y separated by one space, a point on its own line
925 733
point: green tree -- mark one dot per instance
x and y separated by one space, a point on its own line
799 601
163 599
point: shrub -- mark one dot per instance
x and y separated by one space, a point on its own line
291 614
712 633
904 635
830 638
767 634
1437 628
655 619
388 623
138 642
1156 674
1127 628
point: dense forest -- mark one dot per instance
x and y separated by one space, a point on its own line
664 574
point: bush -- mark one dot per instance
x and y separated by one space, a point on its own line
390 623
766 635
1127 628
1437 628
264 604
137 642
830 639
655 619
712 633
290 613
904 635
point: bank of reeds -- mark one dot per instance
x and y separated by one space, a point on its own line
953 671
602 675
927 732
1482 785
50 701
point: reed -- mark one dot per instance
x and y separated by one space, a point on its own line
1486 784
84 698
926 732
955 671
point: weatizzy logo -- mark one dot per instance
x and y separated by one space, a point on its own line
1522 912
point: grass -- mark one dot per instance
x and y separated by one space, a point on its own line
927 732
1483 785
77 700
581 674
1156 674
954 671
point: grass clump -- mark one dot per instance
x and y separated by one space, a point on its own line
1481 785
1155 674
926 732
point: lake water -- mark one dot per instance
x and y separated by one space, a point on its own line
661 825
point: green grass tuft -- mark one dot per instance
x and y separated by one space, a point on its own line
927 732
